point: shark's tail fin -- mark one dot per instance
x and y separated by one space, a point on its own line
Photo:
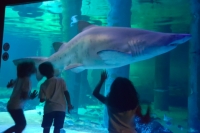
36 60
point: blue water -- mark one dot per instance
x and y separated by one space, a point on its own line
31 29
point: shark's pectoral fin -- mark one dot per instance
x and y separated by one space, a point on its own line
113 57
75 67
57 46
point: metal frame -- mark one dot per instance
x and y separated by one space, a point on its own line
3 5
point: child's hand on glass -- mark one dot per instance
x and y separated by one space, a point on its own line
34 94
11 83
104 76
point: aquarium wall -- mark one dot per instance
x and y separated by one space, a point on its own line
163 81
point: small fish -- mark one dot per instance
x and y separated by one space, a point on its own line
74 20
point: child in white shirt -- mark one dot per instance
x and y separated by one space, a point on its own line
56 97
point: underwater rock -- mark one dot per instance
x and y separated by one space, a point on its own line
152 127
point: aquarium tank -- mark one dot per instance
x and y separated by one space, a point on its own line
154 43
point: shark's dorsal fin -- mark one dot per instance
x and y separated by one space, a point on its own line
83 25
57 46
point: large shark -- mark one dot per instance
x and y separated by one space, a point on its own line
97 47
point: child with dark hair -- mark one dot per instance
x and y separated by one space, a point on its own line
56 97
21 93
122 105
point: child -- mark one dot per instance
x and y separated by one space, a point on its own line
122 104
55 94
20 94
